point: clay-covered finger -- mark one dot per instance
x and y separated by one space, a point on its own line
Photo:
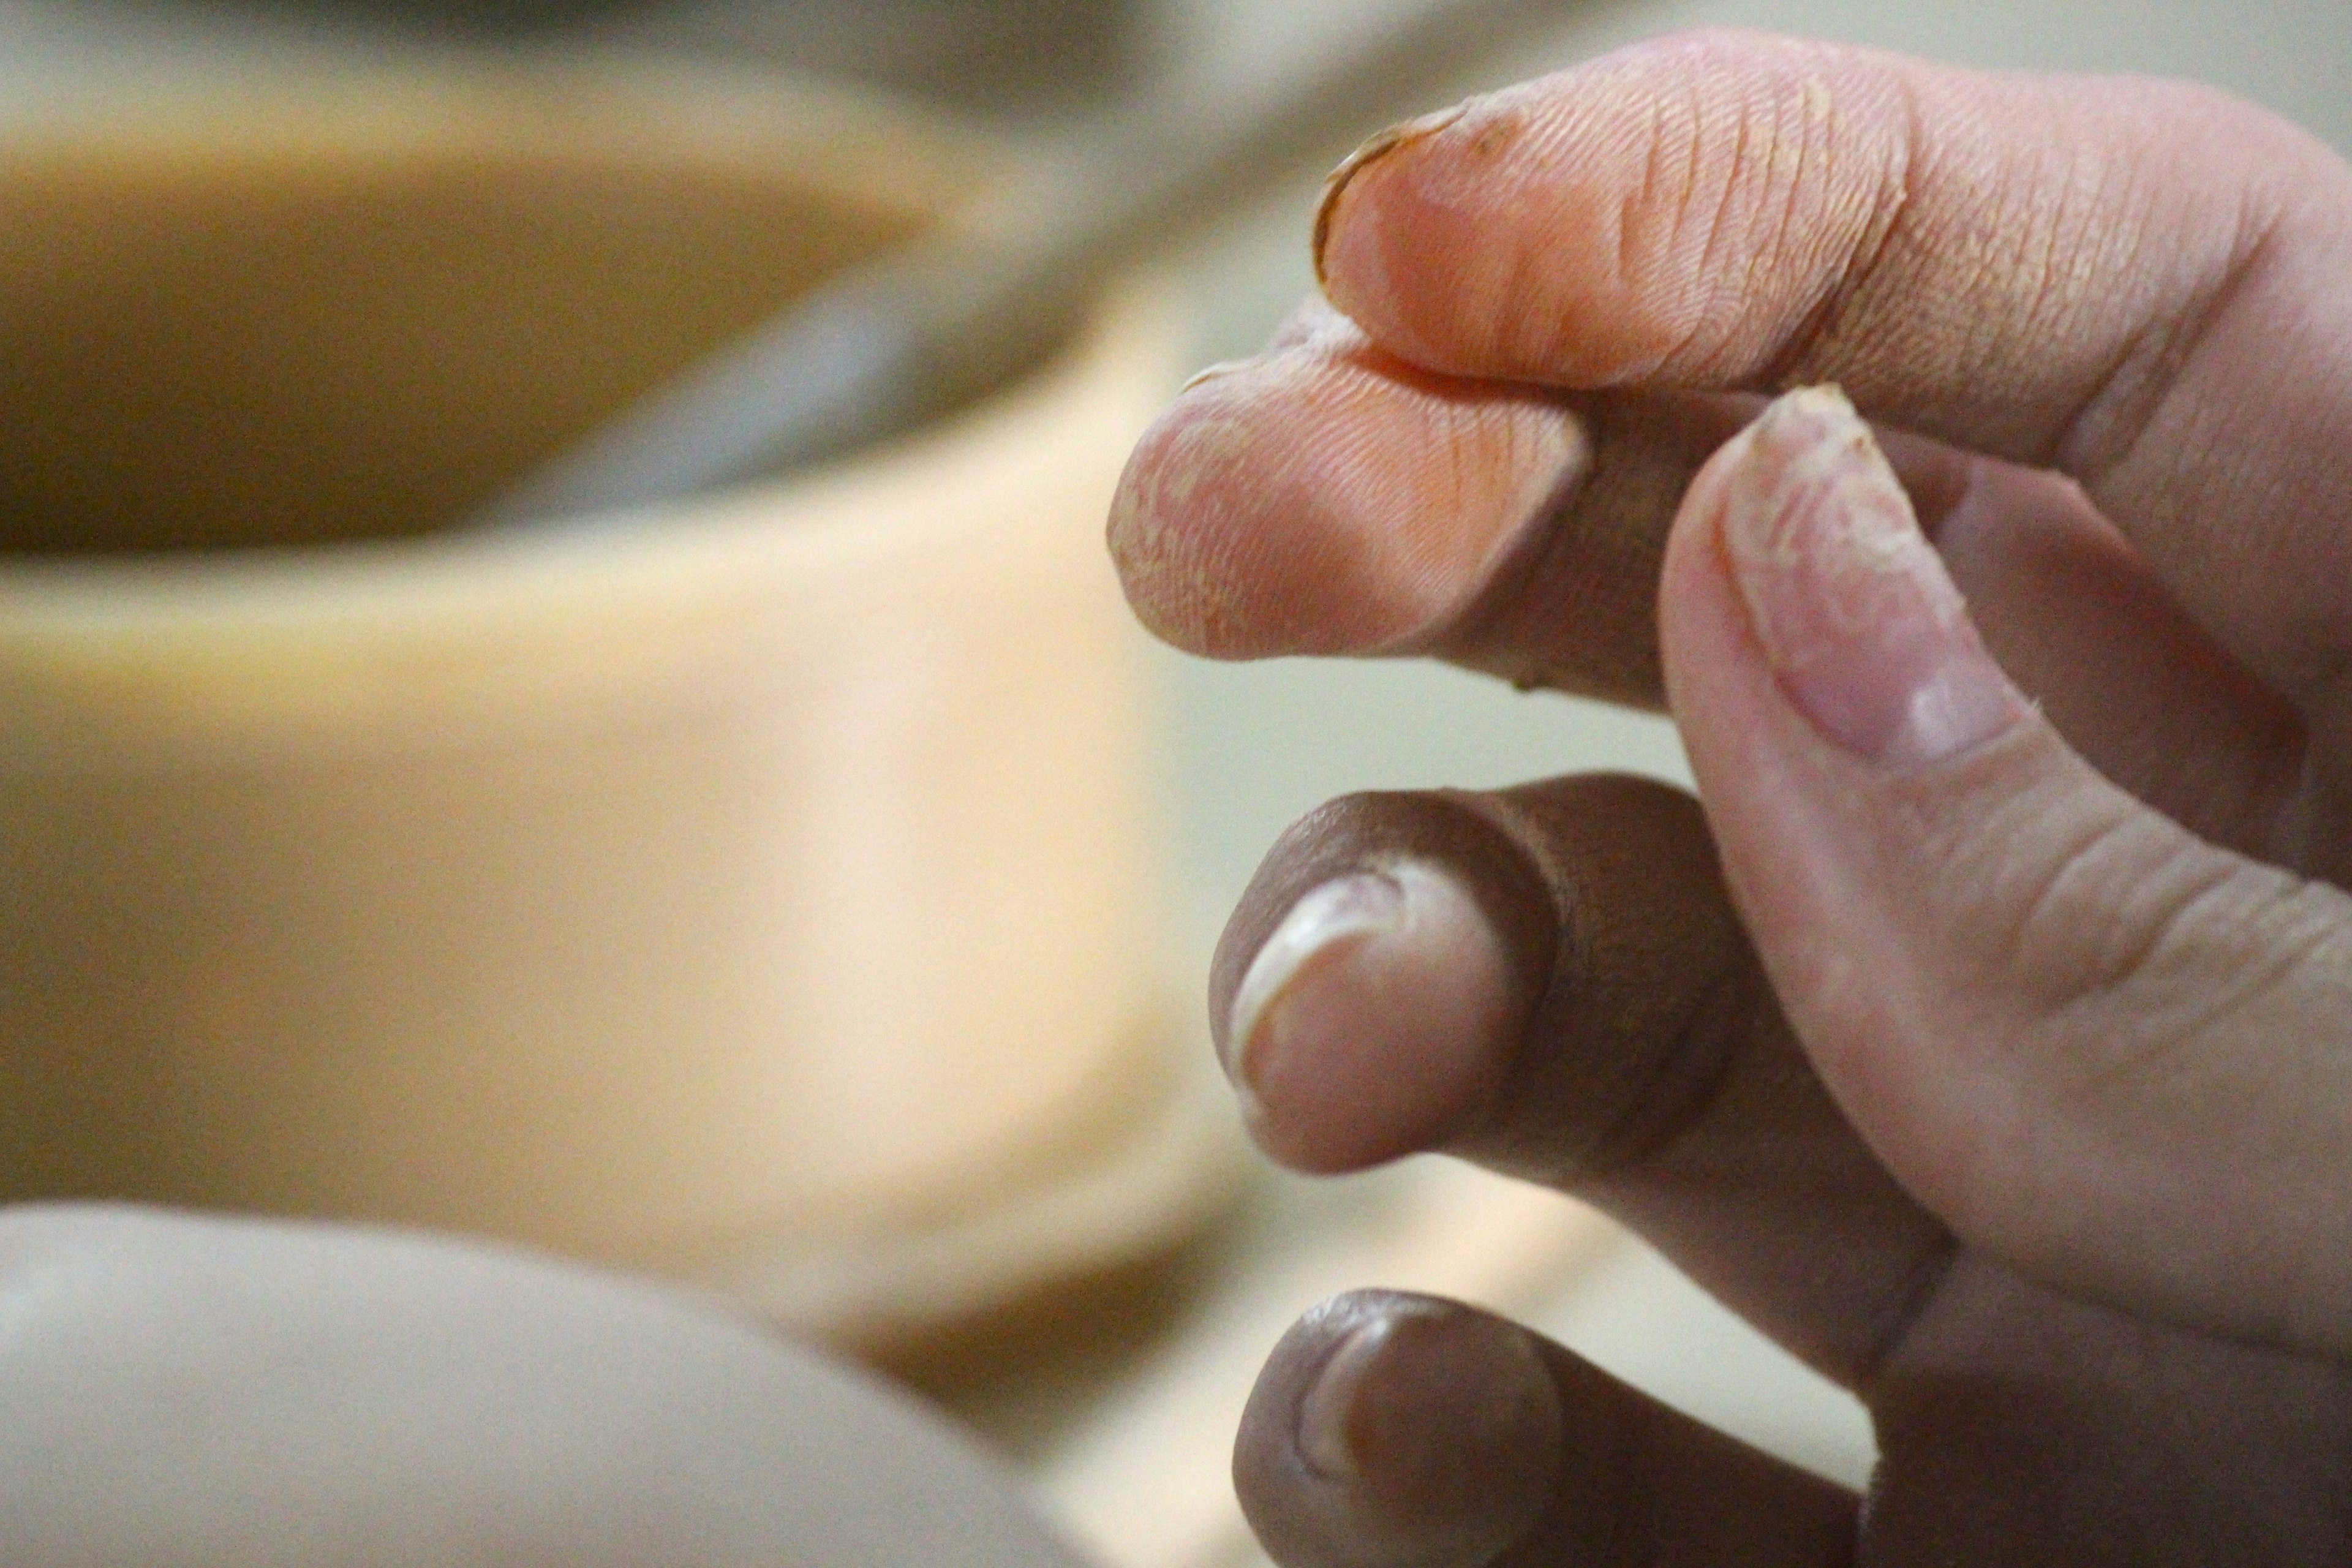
1551 982
1327 497
1394 1431
2137 282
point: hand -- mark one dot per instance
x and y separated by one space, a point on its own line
1985 1034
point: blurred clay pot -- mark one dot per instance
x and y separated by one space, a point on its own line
755 891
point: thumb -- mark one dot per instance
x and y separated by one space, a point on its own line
2099 1047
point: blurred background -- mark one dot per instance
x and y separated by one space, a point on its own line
1118 1393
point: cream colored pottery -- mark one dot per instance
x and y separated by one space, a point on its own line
757 891
225 1394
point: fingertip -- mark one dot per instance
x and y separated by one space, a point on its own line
1380 1009
1572 230
1389 233
1163 531
1222 528
1374 984
1380 145
1322 499
1390 1428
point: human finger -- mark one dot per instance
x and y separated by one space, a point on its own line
2102 1048
1551 982
1390 1430
2137 282
1326 498
2022 1426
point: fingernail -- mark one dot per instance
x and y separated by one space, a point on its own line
1211 371
1862 625
1371 151
1376 1012
1324 1441
1449 1415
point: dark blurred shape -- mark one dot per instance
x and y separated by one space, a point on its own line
487 18
214 335
983 56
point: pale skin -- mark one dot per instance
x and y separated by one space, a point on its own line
1983 1032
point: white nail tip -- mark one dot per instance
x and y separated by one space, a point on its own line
1223 368
1323 1436
1363 904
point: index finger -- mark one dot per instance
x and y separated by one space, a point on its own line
2136 282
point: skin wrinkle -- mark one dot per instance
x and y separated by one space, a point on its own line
2280 928
2034 221
1855 277
2040 1042
2133 414
1791 183
1680 1085
1693 190
1983 893
1906 1308
1949 329
1645 196
1640 248
1722 218
2169 1044
2120 869
1784 194
1789 133
2101 435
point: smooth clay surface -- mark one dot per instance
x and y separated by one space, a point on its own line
217 1394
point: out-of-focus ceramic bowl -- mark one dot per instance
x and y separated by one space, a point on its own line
213 1393
755 890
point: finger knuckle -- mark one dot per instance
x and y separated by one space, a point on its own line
2125 939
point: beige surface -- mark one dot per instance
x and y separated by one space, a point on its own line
219 1394
762 879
